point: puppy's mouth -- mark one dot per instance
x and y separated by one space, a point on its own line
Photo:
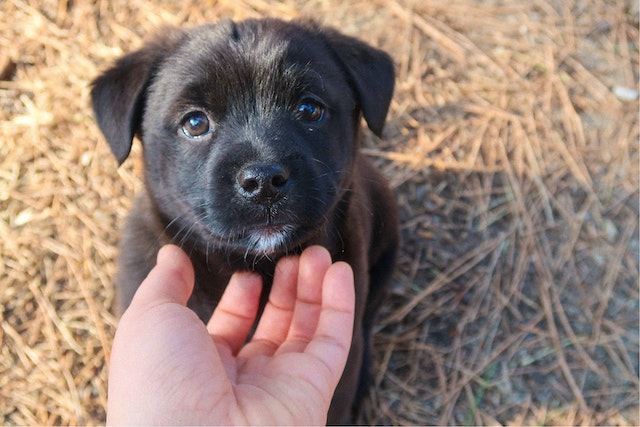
269 238
270 233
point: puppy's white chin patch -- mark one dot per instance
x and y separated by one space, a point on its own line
269 239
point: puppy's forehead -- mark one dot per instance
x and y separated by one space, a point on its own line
263 58
230 42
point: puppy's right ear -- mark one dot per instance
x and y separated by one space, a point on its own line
118 95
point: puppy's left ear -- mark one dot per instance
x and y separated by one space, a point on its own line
371 73
118 95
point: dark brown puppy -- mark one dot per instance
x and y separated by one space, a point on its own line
251 147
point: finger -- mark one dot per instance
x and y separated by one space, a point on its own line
233 317
332 338
170 281
276 317
314 263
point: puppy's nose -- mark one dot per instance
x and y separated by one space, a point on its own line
263 182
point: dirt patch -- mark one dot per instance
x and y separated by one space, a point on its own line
512 144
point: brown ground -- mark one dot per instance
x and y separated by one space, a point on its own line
514 156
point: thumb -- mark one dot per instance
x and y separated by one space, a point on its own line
170 281
146 332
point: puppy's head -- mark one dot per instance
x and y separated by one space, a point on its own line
249 130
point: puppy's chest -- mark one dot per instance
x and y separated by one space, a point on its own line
212 274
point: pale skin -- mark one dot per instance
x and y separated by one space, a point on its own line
168 368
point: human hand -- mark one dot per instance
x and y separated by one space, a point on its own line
168 368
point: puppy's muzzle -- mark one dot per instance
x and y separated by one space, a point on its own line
263 183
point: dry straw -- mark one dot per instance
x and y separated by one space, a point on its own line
512 144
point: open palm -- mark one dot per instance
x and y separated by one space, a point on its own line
168 368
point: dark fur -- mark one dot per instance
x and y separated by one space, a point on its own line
267 180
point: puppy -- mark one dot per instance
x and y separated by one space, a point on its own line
251 135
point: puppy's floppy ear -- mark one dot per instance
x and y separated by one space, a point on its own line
118 95
371 73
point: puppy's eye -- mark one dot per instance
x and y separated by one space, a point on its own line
310 110
196 124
